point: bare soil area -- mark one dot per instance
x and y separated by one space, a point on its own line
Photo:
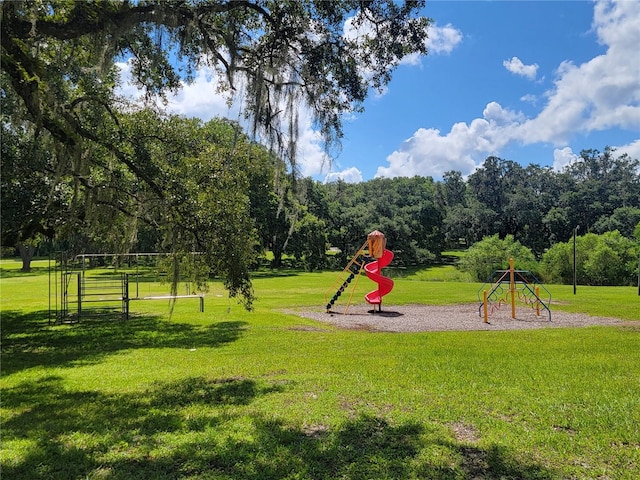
425 318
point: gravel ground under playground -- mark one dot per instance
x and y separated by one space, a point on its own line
426 318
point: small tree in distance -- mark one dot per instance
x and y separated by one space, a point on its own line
493 253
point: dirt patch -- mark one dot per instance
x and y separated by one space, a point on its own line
465 433
425 318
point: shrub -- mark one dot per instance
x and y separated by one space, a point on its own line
556 265
493 253
607 259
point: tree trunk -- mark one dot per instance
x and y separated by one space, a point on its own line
277 256
26 254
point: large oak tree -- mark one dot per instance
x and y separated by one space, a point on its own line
59 57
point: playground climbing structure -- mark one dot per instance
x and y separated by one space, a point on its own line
371 257
347 280
506 287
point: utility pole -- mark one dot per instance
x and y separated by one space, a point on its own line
575 267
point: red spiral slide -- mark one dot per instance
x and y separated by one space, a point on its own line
385 284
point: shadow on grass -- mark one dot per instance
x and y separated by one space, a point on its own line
17 272
276 273
27 339
202 428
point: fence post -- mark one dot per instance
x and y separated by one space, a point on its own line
79 295
125 296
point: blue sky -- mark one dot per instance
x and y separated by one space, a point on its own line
534 82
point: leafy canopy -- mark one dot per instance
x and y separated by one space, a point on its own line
59 55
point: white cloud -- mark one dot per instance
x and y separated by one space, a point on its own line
516 67
440 41
632 149
563 157
126 88
617 23
200 98
599 94
349 175
428 153
494 112
312 160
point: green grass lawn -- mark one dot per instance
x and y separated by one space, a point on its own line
230 394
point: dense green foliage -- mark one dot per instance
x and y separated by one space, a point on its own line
607 259
533 206
404 209
540 207
33 205
492 253
198 201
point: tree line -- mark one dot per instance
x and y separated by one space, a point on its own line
239 200
538 206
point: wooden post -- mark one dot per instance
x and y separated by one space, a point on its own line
512 287
537 300
485 307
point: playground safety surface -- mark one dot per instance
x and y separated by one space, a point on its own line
425 318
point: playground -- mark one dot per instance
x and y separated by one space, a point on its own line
528 299
460 317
